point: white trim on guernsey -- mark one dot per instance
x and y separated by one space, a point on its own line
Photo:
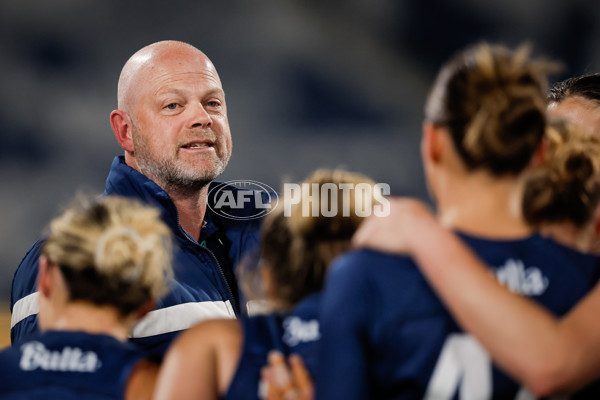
181 316
25 307
164 320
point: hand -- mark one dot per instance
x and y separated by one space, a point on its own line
287 382
395 232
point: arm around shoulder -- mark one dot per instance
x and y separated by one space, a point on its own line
546 354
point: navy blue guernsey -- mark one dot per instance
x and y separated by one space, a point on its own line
61 365
386 335
295 332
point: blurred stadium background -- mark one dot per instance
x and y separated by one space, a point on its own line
309 83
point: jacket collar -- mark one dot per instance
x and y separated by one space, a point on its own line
126 181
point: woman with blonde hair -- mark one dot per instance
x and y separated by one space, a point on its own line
223 358
103 265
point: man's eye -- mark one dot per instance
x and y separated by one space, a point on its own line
172 106
213 104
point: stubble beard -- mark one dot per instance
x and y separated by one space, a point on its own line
171 175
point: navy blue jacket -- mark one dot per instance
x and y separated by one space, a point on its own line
386 335
199 291
63 365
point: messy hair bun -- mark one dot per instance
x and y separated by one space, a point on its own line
112 251
567 186
306 225
298 248
493 101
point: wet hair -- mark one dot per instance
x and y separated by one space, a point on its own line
298 248
111 251
585 86
567 186
493 101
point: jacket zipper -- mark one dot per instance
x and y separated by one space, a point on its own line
219 268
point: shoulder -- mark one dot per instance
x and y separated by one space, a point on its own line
8 358
308 307
363 256
365 283
24 279
536 249
364 264
202 359
23 295
213 326
142 380
555 250
212 334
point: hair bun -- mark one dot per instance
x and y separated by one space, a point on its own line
567 186
493 101
349 194
119 251
579 166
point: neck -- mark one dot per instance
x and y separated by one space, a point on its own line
190 202
90 318
483 205
568 234
191 208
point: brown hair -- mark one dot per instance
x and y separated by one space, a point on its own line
493 101
585 86
111 251
298 248
567 186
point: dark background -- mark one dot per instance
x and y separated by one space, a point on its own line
309 83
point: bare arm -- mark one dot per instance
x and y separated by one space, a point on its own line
142 381
201 362
546 354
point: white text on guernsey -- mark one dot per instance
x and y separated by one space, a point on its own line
34 355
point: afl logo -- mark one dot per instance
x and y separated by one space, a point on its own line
242 199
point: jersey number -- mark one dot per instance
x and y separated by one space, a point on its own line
464 364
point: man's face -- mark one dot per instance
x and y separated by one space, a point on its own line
180 130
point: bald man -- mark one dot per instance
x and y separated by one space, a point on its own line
172 124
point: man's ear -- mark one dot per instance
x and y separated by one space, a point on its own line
44 281
121 125
431 147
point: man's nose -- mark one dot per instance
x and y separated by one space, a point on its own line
199 117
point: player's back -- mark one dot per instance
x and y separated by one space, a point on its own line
385 334
296 332
67 365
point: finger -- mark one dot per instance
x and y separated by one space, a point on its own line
275 358
299 372
266 388
279 368
280 378
302 379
